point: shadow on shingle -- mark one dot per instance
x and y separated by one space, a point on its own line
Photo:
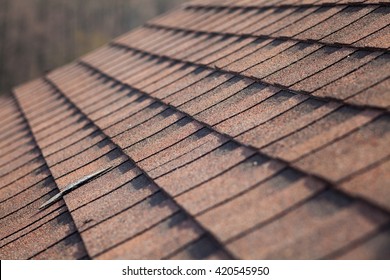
202 133
103 143
126 167
142 182
203 248
114 154
329 203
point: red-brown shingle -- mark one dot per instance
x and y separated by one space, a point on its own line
233 129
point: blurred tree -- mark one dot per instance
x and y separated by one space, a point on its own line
39 35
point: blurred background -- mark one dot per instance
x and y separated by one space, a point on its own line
40 35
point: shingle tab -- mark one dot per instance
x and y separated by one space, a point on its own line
167 236
298 232
369 142
359 80
128 224
259 205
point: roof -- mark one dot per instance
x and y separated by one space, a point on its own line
233 129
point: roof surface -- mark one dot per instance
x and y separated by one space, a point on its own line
234 129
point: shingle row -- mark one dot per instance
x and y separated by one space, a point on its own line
247 130
26 184
120 205
209 170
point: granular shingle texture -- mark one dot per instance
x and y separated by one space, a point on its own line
231 129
